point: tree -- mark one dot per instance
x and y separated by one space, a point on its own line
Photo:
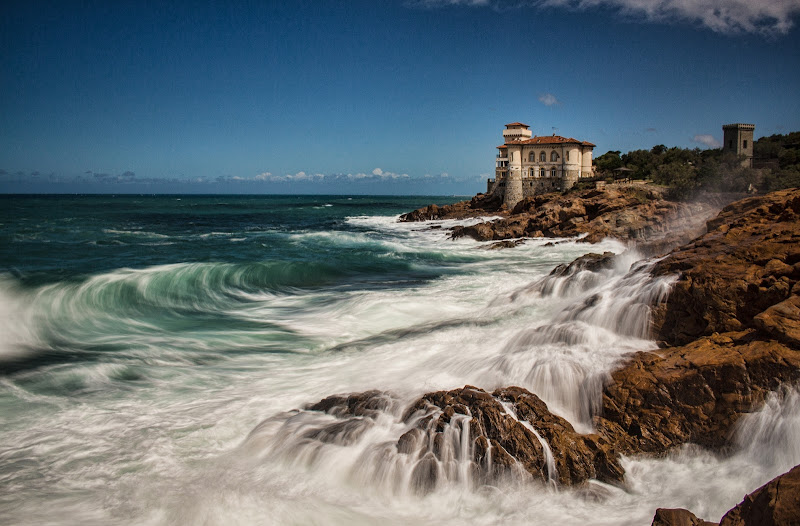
680 177
608 161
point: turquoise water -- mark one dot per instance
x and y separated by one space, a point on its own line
156 353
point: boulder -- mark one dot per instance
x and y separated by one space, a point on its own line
502 437
678 517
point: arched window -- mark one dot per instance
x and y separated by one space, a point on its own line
531 157
541 172
553 172
553 157
542 157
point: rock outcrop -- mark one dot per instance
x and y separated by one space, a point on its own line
638 213
678 517
694 393
738 274
503 437
732 321
480 205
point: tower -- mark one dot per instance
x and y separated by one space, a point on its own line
738 140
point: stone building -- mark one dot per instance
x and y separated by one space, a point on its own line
738 140
528 165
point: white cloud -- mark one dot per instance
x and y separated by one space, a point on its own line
548 99
707 140
377 171
766 17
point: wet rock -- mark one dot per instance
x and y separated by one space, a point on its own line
775 503
640 213
678 517
694 393
355 415
480 205
499 439
591 262
506 244
369 404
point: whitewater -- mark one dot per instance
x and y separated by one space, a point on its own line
158 355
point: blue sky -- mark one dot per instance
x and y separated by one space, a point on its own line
376 97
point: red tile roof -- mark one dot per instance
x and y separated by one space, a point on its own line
502 146
553 139
517 124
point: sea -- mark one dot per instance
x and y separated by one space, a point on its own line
158 355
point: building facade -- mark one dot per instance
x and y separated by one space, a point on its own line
527 165
738 140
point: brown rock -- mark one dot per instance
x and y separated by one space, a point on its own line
591 262
740 268
694 393
678 517
777 503
782 321
624 213
480 205
505 439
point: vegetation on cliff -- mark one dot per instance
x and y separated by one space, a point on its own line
688 171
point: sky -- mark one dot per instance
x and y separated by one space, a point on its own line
370 97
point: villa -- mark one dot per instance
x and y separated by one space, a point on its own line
527 165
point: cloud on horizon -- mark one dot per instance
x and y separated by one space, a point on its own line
262 181
765 17
707 140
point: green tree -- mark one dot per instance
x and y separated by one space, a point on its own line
608 161
680 177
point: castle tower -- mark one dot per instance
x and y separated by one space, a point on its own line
513 135
738 140
513 193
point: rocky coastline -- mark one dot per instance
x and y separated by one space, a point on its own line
638 213
728 332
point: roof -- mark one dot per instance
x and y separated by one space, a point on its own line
502 146
517 124
553 139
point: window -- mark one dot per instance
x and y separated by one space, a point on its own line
512 156
533 172
541 172
566 155
542 157
532 157
553 157
730 144
744 145
553 172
